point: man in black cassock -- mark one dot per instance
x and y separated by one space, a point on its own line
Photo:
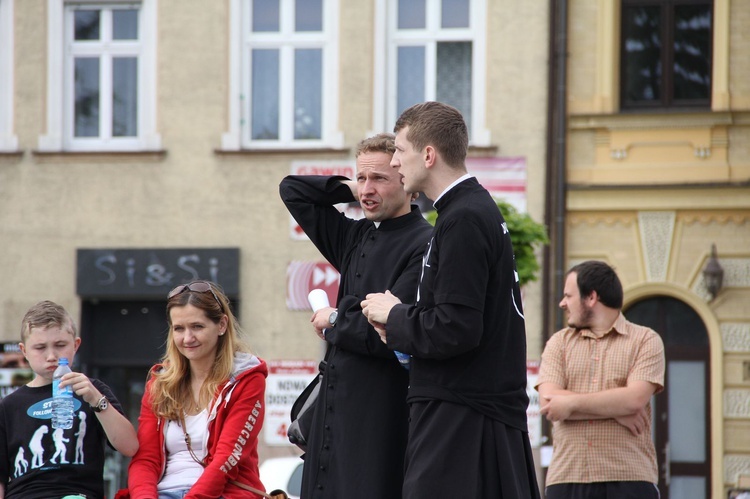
467 396
358 439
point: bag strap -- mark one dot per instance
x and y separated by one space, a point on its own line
233 482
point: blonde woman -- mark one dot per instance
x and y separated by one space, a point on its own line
203 406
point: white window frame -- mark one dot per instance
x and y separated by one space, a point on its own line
8 141
59 136
242 41
387 41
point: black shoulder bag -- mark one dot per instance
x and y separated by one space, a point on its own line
303 409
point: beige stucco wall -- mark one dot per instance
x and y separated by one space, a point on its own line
190 195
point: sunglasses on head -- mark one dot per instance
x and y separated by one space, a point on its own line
198 287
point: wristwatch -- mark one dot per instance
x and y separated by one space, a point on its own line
332 318
101 405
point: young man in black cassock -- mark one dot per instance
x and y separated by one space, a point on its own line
467 433
357 444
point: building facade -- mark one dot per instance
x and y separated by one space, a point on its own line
142 144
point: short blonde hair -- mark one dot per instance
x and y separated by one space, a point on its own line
47 314
382 142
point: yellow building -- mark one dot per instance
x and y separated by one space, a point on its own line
657 169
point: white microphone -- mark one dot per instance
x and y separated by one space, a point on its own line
318 299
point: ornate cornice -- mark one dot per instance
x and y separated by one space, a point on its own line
610 219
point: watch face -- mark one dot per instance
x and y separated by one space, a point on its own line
101 405
332 318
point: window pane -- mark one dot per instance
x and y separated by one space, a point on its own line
308 15
692 47
454 76
265 95
411 77
411 14
687 403
86 97
641 64
125 24
265 15
125 97
455 14
308 88
687 487
86 24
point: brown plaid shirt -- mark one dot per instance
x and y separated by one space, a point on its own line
602 450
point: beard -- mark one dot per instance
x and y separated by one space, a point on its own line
584 322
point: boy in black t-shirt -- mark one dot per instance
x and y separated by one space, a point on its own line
37 461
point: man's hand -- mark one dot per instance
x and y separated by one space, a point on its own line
320 321
380 329
377 306
636 423
557 407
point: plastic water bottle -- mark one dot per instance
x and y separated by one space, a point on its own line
62 398
404 359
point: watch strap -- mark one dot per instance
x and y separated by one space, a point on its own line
101 404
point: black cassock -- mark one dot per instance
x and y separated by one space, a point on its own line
356 449
467 434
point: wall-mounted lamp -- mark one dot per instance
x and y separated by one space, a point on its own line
713 274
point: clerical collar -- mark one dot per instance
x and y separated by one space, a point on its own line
377 225
454 184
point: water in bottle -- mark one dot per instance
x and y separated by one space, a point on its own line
62 398
404 359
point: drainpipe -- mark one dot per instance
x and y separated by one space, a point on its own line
554 254
561 137
554 269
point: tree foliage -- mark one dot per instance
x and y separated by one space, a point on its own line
525 235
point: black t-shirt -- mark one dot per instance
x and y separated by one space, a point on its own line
37 461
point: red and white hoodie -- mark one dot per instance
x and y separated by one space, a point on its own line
234 421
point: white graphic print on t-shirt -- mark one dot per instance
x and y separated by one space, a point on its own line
36 446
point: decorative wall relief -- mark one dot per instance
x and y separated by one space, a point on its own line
736 336
657 229
737 403
734 466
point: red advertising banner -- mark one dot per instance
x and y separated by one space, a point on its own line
286 380
303 277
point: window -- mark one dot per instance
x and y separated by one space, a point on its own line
666 53
101 87
8 141
436 51
286 92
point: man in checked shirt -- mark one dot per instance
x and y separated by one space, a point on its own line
596 380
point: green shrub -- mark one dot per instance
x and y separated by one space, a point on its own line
525 234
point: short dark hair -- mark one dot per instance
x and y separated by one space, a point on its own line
439 125
593 275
